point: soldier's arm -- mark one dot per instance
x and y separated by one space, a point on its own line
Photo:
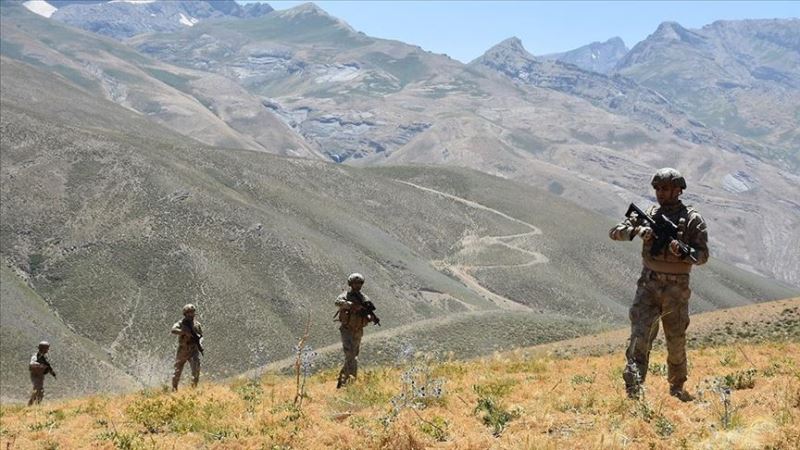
35 364
625 230
198 329
342 302
177 328
698 238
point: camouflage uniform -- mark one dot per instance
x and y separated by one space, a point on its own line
662 293
38 367
188 350
351 330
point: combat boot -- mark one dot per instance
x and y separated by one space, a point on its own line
680 393
634 392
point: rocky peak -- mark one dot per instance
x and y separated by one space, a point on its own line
597 57
673 31
509 51
308 11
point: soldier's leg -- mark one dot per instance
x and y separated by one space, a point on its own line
349 357
180 360
643 315
356 349
37 393
194 363
676 320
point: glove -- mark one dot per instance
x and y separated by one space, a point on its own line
675 249
646 233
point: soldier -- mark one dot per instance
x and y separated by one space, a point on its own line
190 347
39 367
354 313
663 287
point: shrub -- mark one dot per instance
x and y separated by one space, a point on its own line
743 379
436 428
497 389
494 415
122 441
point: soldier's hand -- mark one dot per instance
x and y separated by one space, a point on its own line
675 248
646 233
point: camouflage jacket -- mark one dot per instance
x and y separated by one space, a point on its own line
695 235
185 341
349 304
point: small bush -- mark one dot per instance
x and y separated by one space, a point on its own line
250 392
369 389
493 415
122 441
743 379
436 428
658 369
664 427
583 379
528 366
497 389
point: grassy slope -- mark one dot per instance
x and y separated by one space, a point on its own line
522 399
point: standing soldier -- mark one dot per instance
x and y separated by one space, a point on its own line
189 346
663 287
355 312
39 367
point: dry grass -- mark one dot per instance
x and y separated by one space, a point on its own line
512 400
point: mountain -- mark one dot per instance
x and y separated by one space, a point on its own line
599 57
615 94
351 98
739 76
207 107
125 18
368 101
111 222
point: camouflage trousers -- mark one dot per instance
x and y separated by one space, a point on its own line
664 297
192 356
38 389
351 344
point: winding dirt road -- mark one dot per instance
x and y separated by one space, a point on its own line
476 243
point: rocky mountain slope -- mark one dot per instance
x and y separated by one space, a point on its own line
205 106
599 57
125 18
739 76
115 222
368 101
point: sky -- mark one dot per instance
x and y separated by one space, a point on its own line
464 30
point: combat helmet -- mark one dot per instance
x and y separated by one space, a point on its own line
189 307
668 175
44 344
354 277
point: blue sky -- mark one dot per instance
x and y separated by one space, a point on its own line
464 30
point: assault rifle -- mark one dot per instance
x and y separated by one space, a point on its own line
664 231
368 311
195 337
43 361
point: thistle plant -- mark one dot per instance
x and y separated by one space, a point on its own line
418 390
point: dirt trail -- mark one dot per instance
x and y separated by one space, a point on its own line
476 243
